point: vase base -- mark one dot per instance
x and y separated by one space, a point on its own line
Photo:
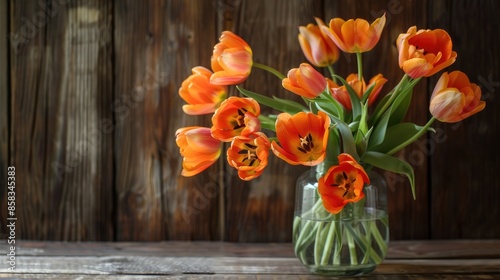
349 270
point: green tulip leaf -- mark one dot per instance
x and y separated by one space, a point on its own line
382 102
275 103
379 133
367 94
400 107
397 135
355 102
392 164
326 107
268 122
348 144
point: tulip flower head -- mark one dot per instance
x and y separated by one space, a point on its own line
302 138
249 155
317 47
340 93
202 96
231 60
236 116
423 53
198 149
342 183
355 35
455 98
305 81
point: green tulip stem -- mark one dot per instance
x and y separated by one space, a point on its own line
352 247
360 66
270 70
330 69
413 138
393 96
328 244
335 103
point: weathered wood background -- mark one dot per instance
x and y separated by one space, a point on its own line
89 108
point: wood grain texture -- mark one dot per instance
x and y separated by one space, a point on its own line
185 260
250 276
465 163
4 115
402 249
230 265
156 45
61 92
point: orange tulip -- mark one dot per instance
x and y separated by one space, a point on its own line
249 155
317 47
198 147
303 138
342 96
231 60
342 183
355 36
305 81
235 116
423 53
455 98
378 82
202 96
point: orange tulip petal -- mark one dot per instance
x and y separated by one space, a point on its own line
226 78
447 104
305 81
249 155
334 32
348 34
433 46
198 148
199 109
454 98
479 107
236 61
342 184
355 35
416 67
302 138
231 60
458 80
289 85
202 96
235 116
317 47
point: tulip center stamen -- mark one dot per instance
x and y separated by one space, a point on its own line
240 118
342 181
250 153
306 143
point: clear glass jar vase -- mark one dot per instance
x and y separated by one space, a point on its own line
352 242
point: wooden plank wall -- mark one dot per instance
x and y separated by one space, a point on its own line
89 100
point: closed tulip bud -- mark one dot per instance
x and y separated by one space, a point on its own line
317 47
198 149
231 60
202 96
305 81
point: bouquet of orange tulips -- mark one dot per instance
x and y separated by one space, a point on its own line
342 126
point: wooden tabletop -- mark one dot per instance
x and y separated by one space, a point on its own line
443 259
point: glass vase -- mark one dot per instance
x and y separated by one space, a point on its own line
352 242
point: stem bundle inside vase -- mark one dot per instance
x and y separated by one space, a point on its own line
348 243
